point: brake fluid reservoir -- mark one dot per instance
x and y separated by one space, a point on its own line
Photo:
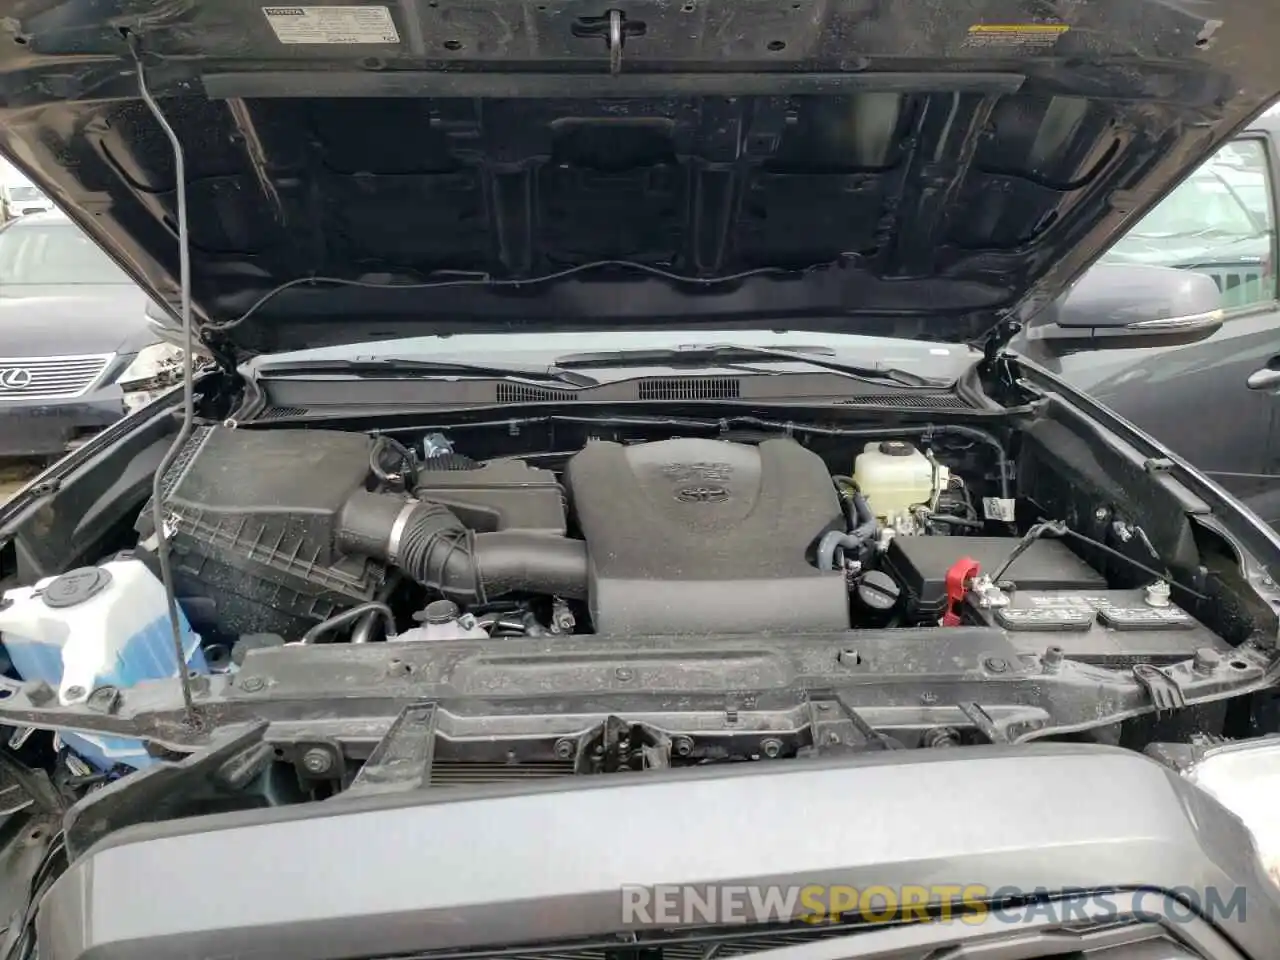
96 626
894 476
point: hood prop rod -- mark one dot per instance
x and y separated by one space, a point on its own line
188 398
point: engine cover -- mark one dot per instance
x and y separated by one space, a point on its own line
706 536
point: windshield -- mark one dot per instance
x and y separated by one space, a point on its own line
1205 206
53 253
923 356
25 193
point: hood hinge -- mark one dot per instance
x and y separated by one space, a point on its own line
223 353
993 344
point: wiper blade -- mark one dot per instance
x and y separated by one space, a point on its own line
388 367
731 353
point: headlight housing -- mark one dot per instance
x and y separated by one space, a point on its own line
153 371
1245 778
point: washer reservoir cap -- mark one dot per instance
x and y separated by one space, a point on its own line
75 587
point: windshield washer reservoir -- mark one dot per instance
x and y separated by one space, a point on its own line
96 626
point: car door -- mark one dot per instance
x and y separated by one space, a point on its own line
1216 402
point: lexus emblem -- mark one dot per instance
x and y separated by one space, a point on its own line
705 494
14 378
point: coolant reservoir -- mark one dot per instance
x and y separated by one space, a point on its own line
93 627
894 476
441 621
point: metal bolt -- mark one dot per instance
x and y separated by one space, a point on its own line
252 684
941 737
74 693
928 698
623 674
565 749
823 706
38 692
682 746
20 736
317 761
1268 582
1051 662
1101 514
996 664
849 657
562 619
771 748
1206 660
105 699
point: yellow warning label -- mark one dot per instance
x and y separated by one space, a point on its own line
1025 37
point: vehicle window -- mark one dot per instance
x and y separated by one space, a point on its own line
25 194
1219 221
53 253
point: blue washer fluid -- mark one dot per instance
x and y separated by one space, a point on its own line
93 627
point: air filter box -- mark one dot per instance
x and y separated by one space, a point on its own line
252 518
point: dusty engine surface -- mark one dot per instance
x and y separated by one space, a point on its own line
693 535
282 532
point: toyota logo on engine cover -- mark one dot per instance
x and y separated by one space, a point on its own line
706 494
14 378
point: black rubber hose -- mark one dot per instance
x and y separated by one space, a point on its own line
865 527
432 546
438 551
532 562
956 521
350 616
862 525
367 521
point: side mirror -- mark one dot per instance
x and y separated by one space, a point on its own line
1120 306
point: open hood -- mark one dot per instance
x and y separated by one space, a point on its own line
907 168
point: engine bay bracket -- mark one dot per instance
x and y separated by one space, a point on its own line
402 759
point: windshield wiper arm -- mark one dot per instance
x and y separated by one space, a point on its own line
728 353
376 367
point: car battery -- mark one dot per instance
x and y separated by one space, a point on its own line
919 565
1111 627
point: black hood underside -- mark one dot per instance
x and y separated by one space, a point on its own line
900 167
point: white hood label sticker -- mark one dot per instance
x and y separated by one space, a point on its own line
332 24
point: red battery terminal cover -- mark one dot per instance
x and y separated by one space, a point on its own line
959 576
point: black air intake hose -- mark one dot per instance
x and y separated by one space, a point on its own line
431 545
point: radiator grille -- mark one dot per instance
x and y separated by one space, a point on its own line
689 388
38 378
